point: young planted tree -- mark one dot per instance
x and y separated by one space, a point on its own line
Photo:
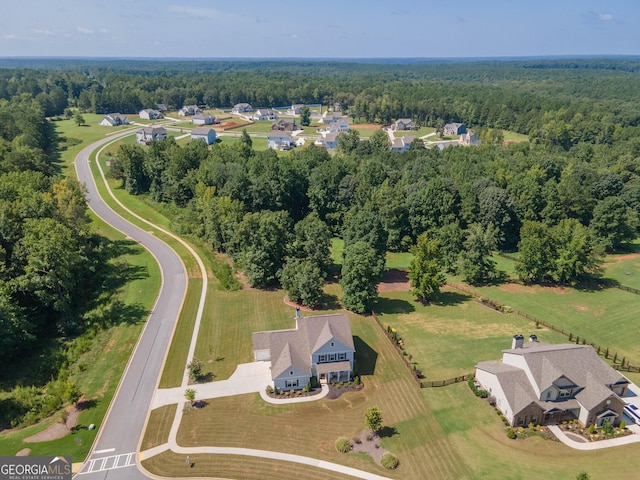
190 395
425 271
373 418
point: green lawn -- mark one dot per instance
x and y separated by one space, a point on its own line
514 137
449 336
623 268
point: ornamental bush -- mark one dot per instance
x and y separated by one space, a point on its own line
390 461
343 445
511 434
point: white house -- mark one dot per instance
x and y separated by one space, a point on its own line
264 114
541 383
189 110
338 126
279 140
319 346
295 109
146 135
203 119
150 114
402 144
204 134
114 120
328 140
242 108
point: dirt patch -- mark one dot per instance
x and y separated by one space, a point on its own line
24 452
532 289
394 281
297 305
621 258
366 126
367 443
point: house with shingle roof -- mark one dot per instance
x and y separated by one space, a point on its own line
541 383
402 144
242 108
264 114
203 119
204 134
285 125
277 140
403 124
189 110
146 135
150 114
455 129
320 346
295 109
114 120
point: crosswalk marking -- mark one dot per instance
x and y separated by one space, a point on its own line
112 462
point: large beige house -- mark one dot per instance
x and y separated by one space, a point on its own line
541 383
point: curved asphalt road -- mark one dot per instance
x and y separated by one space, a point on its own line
113 455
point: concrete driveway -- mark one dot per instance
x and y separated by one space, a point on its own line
248 378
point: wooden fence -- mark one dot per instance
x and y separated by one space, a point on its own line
604 351
448 381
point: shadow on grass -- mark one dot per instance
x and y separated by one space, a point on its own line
366 357
392 305
449 299
330 302
387 432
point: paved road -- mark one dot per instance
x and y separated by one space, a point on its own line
113 454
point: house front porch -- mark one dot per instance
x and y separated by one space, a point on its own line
333 372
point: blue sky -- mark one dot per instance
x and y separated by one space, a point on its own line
327 28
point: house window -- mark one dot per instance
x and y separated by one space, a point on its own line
332 344
521 420
290 372
548 395
332 357
342 356
565 393
322 358
534 419
291 383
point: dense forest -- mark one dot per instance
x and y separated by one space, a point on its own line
561 200
51 265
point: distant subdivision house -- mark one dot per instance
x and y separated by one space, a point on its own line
284 125
319 346
295 109
402 144
189 110
469 139
114 120
150 114
264 114
203 119
161 107
541 383
204 134
146 135
279 140
242 108
328 140
403 124
455 129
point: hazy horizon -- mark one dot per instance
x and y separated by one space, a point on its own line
286 29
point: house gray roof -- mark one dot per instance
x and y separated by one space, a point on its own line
201 130
548 362
331 137
514 383
242 105
293 347
594 393
203 116
152 130
403 120
277 134
453 125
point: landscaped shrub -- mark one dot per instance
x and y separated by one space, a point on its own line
356 380
623 425
390 461
343 445
357 440
511 434
592 429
